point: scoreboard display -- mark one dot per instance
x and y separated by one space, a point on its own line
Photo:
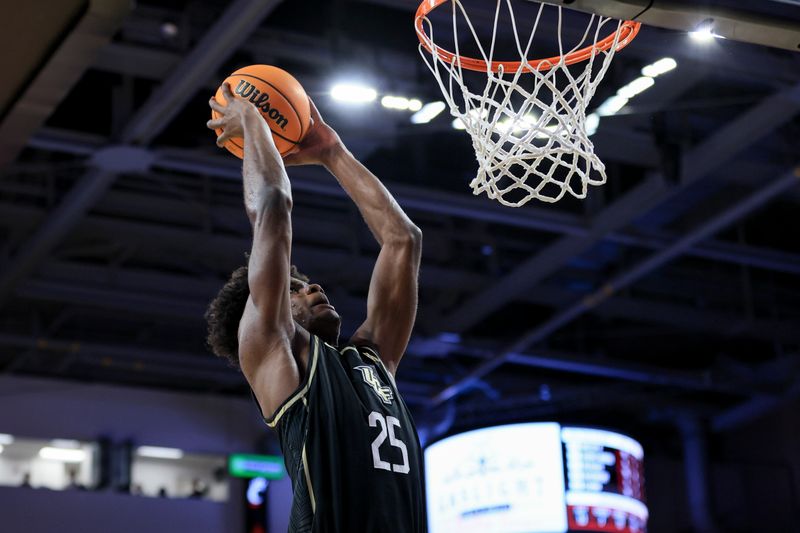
604 481
536 478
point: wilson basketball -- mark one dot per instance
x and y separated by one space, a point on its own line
280 99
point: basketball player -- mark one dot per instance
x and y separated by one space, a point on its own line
348 440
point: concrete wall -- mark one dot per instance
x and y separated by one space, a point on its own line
61 409
47 511
47 409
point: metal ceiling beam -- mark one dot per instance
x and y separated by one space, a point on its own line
437 202
736 24
552 257
314 180
222 39
235 25
683 317
748 62
147 357
704 159
74 205
751 410
603 367
187 296
15 215
62 67
153 304
783 183
147 361
441 277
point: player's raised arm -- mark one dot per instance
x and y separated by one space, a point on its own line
267 330
392 300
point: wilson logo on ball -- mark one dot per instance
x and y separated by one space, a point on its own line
261 101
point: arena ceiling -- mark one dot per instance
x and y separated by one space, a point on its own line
673 290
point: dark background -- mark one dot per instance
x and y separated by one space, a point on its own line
120 219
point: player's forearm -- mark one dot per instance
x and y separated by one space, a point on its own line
381 212
263 171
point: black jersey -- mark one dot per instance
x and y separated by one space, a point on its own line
350 447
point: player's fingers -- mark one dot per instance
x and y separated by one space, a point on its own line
315 116
216 106
227 91
222 139
215 123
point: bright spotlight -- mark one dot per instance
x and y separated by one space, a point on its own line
637 86
353 93
65 443
662 66
6 438
704 32
158 452
458 124
401 102
612 105
395 102
592 123
519 125
66 455
428 112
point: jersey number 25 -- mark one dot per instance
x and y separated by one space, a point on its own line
387 425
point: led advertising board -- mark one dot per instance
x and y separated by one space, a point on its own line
535 478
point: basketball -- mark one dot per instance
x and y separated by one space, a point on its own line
280 99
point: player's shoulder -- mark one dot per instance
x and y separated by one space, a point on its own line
369 353
362 344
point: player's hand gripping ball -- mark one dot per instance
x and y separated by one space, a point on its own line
281 100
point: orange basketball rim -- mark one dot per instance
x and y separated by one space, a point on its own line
627 32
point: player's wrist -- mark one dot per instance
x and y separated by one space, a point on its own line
334 154
250 115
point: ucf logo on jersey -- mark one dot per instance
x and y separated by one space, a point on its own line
371 379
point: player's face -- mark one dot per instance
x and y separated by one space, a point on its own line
312 310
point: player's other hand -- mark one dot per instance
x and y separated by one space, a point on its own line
231 115
318 146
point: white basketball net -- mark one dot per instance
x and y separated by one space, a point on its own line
528 127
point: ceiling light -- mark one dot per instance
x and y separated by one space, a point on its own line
662 66
637 86
704 32
551 129
5 438
157 452
612 105
401 102
458 124
65 443
169 29
519 125
428 112
395 102
592 123
353 93
67 455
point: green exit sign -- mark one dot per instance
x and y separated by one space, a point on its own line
248 465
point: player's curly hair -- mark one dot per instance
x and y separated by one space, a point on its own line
225 312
